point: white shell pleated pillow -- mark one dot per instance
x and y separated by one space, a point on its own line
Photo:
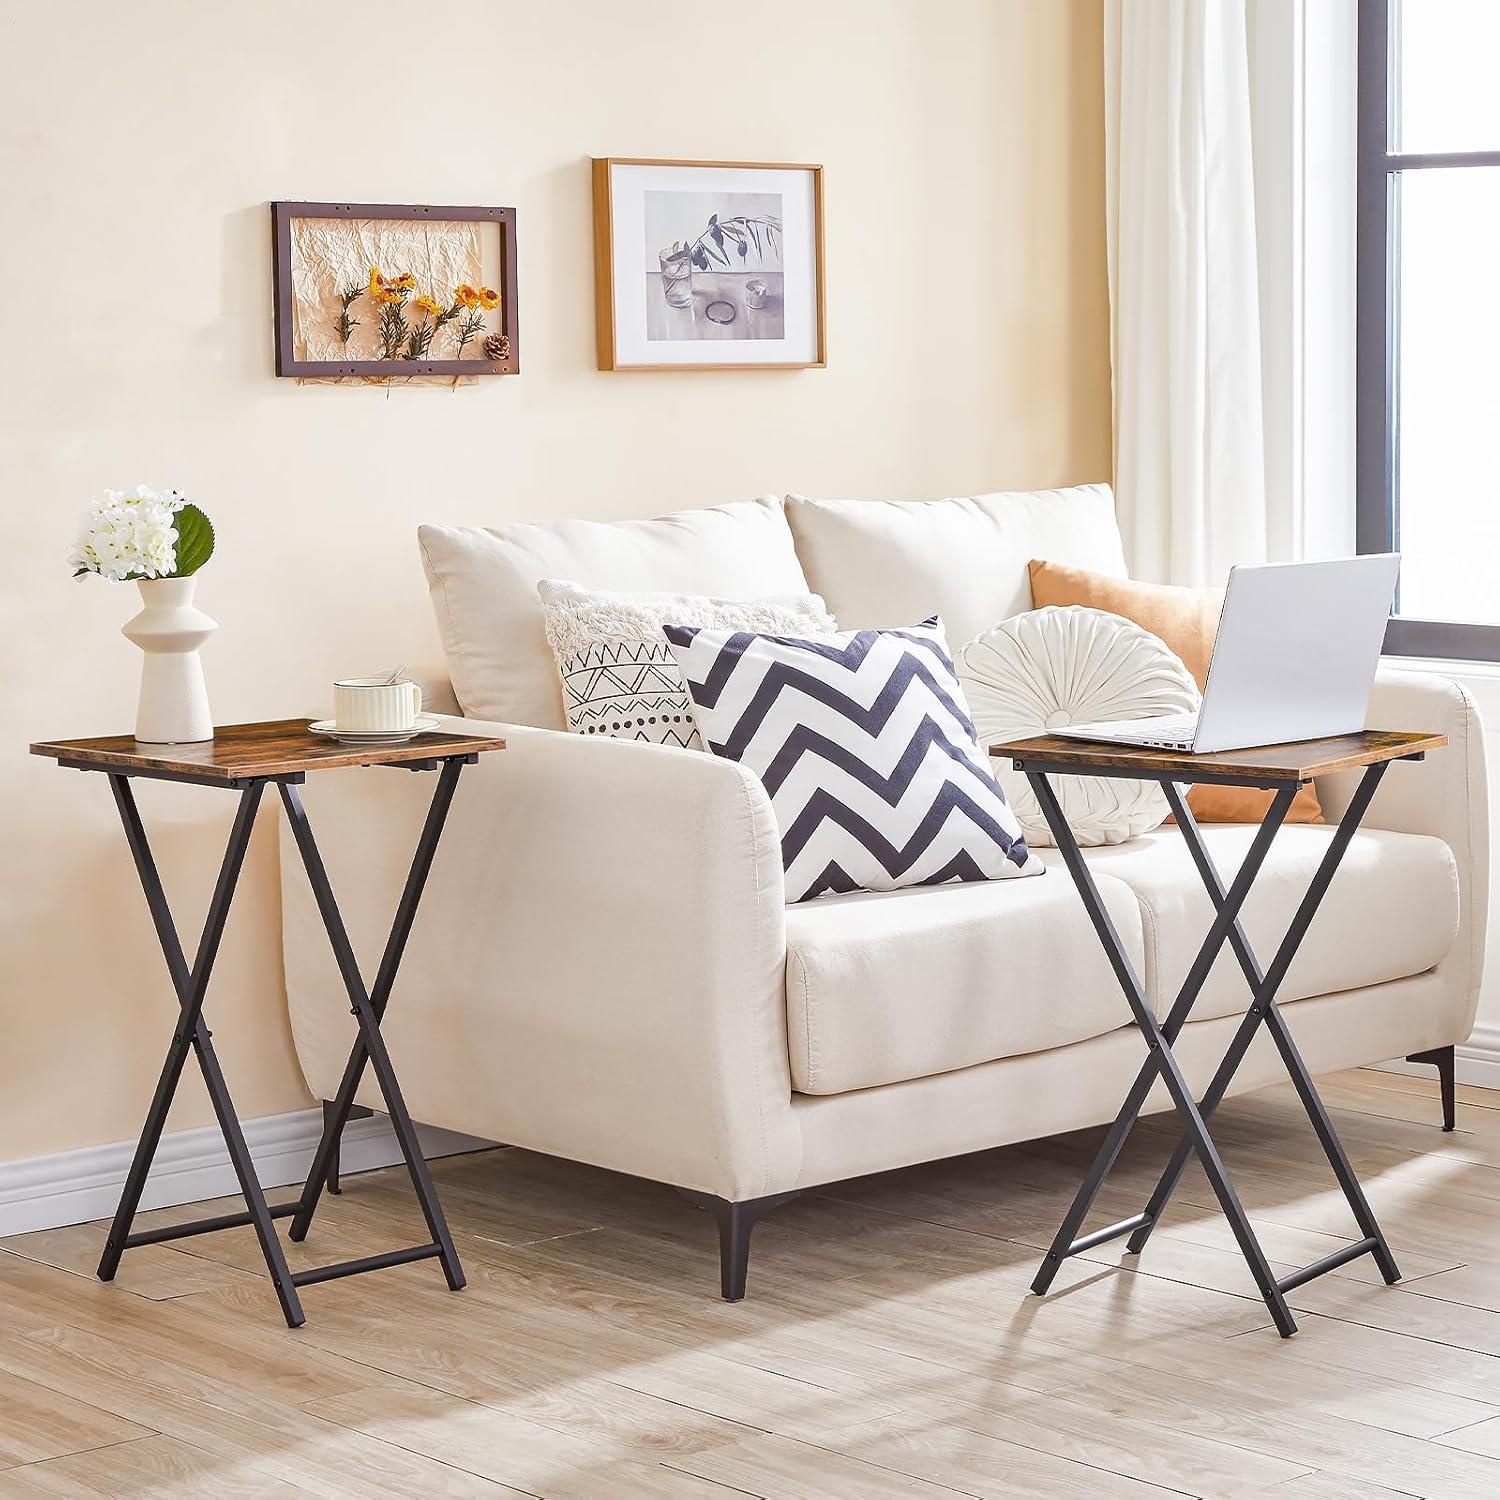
1069 665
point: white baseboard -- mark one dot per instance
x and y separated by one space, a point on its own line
1477 1061
73 1187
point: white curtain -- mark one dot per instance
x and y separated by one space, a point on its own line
1302 120
1230 222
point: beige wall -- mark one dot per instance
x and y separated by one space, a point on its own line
140 142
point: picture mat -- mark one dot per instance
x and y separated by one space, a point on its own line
796 186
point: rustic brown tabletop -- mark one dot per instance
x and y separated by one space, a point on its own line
242 752
1265 765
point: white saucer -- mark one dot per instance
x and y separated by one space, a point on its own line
420 725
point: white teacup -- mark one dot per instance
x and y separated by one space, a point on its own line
374 703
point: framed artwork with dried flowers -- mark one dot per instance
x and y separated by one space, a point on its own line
392 290
708 265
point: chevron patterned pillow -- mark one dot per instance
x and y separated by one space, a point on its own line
865 744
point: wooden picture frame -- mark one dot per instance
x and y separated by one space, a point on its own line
625 330
282 216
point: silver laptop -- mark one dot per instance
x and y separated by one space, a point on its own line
1294 659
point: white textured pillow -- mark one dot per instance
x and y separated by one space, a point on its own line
1071 665
619 676
483 583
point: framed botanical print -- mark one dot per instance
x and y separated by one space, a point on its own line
703 265
394 290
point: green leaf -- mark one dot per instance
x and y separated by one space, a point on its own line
195 541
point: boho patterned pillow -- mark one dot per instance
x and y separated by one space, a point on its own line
866 746
619 677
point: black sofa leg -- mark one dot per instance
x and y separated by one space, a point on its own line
333 1161
735 1221
1442 1059
356 1112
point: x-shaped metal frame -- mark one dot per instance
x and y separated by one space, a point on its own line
192 1035
1160 1036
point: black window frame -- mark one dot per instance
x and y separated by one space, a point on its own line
1378 329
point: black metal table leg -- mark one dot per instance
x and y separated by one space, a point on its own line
338 1110
1160 1059
191 1034
246 758
1263 1011
1177 1016
371 1045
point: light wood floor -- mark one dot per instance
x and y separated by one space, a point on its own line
888 1347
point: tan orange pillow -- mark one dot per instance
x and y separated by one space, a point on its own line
1187 620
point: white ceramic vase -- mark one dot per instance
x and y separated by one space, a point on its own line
173 706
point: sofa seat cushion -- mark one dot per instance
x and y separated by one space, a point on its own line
1390 911
885 987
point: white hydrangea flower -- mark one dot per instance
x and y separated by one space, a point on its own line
126 536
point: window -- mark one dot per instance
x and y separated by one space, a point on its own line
1428 392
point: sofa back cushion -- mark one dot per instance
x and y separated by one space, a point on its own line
483 582
878 563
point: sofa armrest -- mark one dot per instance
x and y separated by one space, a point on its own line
596 970
1445 795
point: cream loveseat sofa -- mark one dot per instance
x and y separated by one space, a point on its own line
604 969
